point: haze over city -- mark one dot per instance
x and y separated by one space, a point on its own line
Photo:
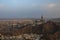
29 8
29 19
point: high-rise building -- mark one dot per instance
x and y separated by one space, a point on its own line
42 19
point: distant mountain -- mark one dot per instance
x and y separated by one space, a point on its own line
56 19
16 18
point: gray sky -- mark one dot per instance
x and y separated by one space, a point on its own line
29 8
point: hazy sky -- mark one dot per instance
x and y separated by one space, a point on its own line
29 8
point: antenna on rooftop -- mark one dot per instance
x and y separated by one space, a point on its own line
41 16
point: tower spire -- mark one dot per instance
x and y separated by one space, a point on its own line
42 18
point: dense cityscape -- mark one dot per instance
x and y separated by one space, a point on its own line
29 19
29 29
